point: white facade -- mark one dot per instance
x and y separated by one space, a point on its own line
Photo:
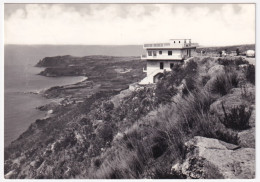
250 53
162 57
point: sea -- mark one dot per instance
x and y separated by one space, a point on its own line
21 78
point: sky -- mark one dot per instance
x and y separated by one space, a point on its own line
129 24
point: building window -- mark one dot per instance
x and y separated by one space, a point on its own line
154 53
160 52
187 51
179 41
161 65
149 53
174 42
169 53
171 65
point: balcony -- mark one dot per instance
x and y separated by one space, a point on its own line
157 45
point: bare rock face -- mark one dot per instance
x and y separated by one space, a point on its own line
247 138
214 159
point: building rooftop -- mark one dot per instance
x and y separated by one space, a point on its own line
172 44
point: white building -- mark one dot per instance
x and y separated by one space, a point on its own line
163 56
250 53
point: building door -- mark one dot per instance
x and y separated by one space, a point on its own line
161 65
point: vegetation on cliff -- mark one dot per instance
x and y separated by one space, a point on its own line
144 135
237 48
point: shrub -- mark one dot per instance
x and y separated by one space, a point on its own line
246 94
233 79
190 72
160 144
134 106
250 73
224 82
205 79
209 126
197 102
166 88
105 132
237 119
191 68
206 60
240 60
108 106
164 92
220 85
165 174
97 163
232 62
176 76
191 116
190 85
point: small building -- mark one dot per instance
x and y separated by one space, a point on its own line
233 53
250 53
162 57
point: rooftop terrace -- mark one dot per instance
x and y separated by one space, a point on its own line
172 44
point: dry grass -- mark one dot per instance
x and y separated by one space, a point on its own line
223 83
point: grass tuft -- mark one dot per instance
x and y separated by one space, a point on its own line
223 83
237 119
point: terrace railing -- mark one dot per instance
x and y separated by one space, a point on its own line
168 45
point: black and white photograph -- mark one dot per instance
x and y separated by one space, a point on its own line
129 90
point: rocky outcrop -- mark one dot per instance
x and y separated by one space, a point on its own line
54 61
247 138
212 158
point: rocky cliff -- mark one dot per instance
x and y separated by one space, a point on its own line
211 158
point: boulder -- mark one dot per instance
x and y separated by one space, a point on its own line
247 138
208 158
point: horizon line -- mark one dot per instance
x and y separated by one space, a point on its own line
200 46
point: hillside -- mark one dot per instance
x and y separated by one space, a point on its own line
198 121
242 48
103 73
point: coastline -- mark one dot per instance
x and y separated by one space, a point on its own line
69 95
46 109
